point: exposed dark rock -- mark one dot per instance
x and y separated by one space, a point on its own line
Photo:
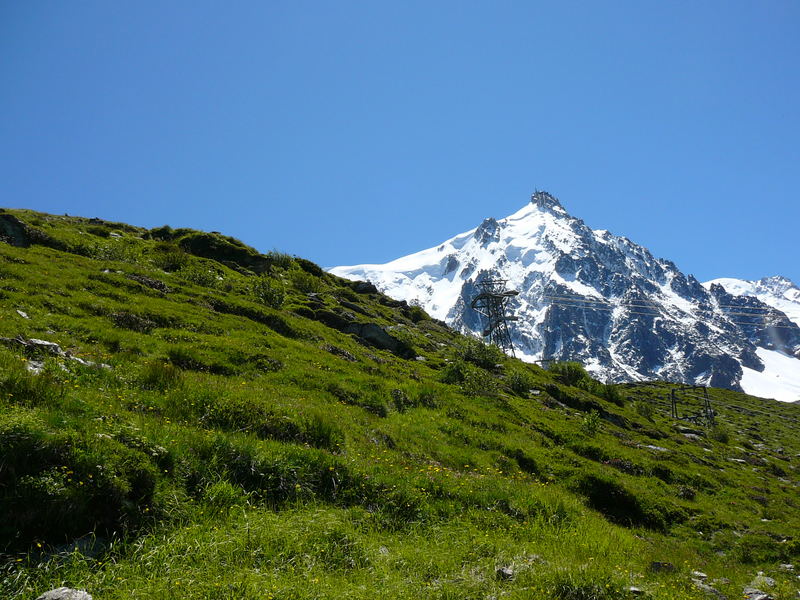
13 231
709 591
662 567
335 350
16 233
332 319
154 284
363 287
355 307
375 335
764 326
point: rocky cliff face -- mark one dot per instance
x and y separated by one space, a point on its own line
590 296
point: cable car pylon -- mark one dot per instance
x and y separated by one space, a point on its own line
491 304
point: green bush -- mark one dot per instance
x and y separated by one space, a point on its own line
310 267
477 383
223 495
160 376
132 321
98 230
169 257
610 393
278 260
253 416
644 409
268 292
520 383
485 356
569 373
306 282
720 433
590 424
454 372
373 402
417 313
198 275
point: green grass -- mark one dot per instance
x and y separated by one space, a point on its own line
242 444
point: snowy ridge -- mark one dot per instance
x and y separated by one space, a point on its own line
777 292
595 297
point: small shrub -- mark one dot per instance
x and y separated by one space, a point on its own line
590 451
306 282
318 431
454 372
278 260
644 409
485 356
164 233
775 469
401 400
310 267
169 257
374 404
520 383
119 250
199 276
569 373
134 322
159 376
590 424
426 396
478 384
417 313
720 433
268 292
224 495
185 358
371 402
22 387
98 230
60 486
525 462
610 393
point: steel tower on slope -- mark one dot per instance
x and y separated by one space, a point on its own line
491 304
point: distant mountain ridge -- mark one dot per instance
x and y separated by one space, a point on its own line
777 292
598 298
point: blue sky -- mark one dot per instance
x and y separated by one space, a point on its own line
351 132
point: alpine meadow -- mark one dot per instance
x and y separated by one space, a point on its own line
183 417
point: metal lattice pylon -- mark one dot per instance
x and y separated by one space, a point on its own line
491 303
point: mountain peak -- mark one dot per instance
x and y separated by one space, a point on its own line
594 297
545 200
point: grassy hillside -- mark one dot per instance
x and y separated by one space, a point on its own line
217 423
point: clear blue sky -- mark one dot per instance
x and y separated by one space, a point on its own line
351 132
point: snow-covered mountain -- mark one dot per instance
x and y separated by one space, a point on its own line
778 292
597 298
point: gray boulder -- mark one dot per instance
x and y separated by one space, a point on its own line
65 593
